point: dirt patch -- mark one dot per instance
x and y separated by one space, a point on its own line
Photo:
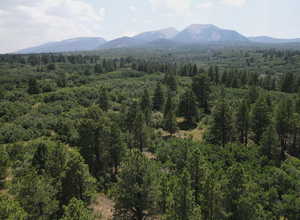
103 206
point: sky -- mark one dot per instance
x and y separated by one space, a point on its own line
26 23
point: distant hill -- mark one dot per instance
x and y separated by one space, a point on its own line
122 42
169 38
271 40
149 36
203 33
70 45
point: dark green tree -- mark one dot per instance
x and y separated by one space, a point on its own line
220 131
146 106
138 201
242 122
77 210
260 118
270 143
188 108
103 100
10 209
77 181
36 194
158 98
33 87
4 164
201 89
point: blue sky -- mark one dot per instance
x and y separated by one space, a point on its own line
25 23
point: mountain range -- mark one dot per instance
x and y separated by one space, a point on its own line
169 37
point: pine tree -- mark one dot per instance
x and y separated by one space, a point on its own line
36 194
270 143
182 205
188 108
220 131
103 100
76 210
243 122
201 89
252 95
33 87
136 191
4 164
260 119
77 182
283 117
10 209
159 98
146 106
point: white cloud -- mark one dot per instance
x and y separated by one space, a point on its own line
234 2
178 6
132 8
204 5
129 34
25 23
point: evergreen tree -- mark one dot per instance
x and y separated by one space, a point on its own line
201 89
116 148
270 143
252 95
36 194
182 205
4 164
40 158
283 117
93 140
98 68
170 123
159 98
171 82
220 131
260 119
243 122
76 210
188 108
140 132
146 106
33 87
10 209
139 200
77 182
103 100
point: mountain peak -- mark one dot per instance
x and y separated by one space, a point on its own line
201 33
166 33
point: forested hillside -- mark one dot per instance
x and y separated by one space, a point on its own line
179 135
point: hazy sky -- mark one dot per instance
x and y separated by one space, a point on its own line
25 23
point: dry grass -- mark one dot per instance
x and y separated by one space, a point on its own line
196 134
103 206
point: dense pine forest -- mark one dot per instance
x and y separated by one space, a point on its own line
151 134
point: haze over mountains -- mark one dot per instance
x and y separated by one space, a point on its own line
193 34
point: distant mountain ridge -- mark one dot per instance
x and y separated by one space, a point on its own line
271 40
203 33
163 38
69 45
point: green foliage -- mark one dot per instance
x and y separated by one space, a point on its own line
260 118
220 131
11 209
4 165
36 194
242 122
158 98
201 89
76 210
139 200
188 109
